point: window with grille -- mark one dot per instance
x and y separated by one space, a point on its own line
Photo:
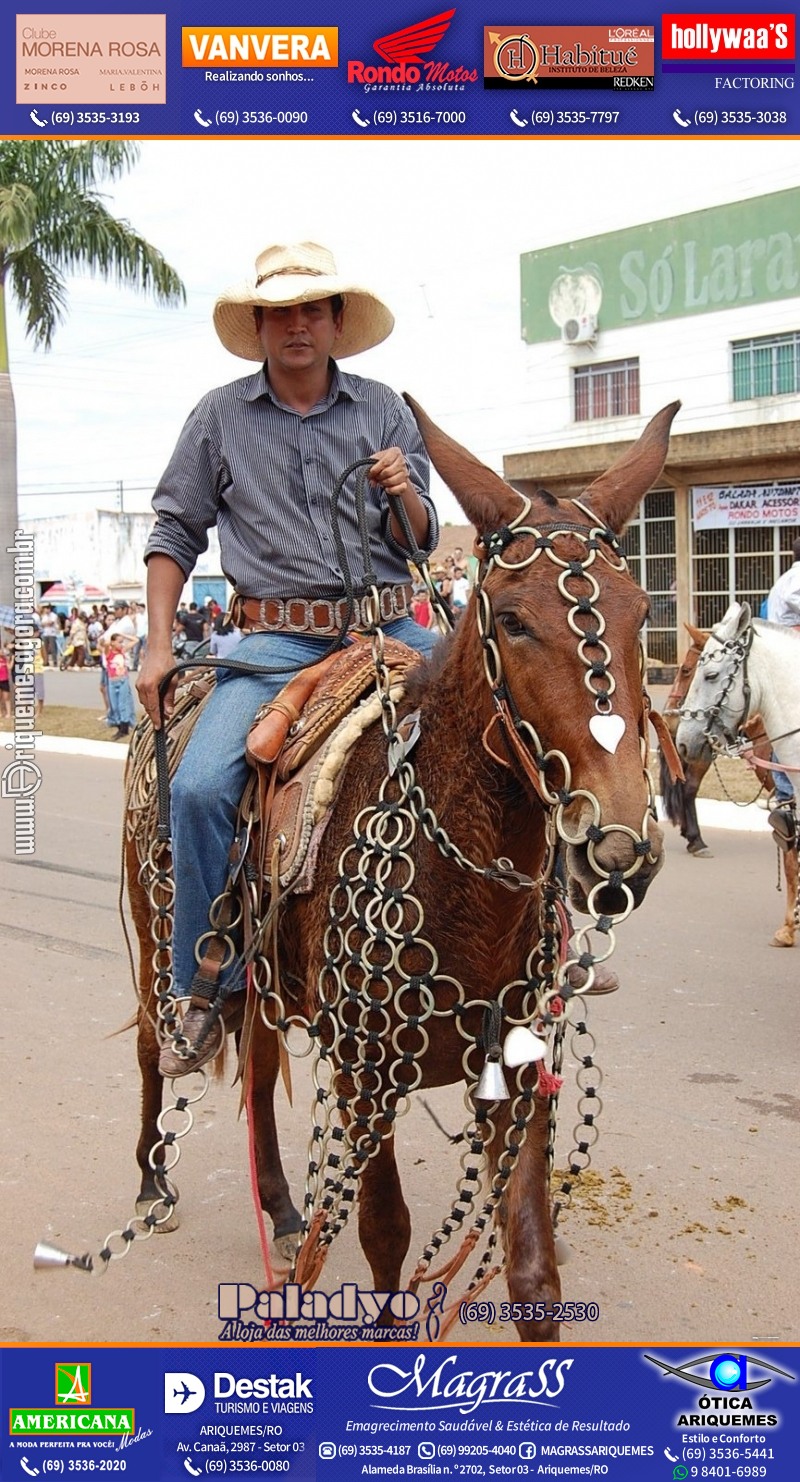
649 545
733 565
610 390
766 367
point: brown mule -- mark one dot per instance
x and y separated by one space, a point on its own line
407 957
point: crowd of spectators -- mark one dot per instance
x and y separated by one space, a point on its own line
77 639
207 625
10 674
108 638
453 578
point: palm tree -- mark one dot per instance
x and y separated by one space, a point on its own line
53 222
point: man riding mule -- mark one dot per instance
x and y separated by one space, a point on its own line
259 458
432 946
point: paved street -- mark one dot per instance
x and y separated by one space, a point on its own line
79 687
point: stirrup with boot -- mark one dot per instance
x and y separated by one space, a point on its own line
204 1038
605 981
783 824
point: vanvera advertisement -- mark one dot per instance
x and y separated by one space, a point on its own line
401 1066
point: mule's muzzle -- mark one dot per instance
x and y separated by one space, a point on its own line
600 877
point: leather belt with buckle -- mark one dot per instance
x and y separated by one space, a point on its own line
320 615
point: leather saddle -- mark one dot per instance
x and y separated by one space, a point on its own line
299 745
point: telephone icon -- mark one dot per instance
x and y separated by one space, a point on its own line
669 1455
363 123
40 122
205 123
685 123
195 1471
32 1471
521 123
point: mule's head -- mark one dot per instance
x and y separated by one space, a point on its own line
717 700
559 618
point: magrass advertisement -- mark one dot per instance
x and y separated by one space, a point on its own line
483 1162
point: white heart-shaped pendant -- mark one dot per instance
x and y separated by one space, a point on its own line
522 1046
562 1249
607 730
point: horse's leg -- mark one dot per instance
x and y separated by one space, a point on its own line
678 802
695 844
384 1223
784 936
273 1188
531 1269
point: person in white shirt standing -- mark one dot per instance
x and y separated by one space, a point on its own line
124 628
783 607
138 615
49 625
783 602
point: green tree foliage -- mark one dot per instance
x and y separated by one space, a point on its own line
53 224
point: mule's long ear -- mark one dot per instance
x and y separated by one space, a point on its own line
699 636
617 493
484 497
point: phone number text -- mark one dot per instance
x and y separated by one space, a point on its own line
528 1312
597 117
403 117
94 116
733 116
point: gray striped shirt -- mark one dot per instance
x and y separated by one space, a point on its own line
264 475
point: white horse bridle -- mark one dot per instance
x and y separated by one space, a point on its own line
719 735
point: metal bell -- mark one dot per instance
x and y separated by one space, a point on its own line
47 1256
492 1084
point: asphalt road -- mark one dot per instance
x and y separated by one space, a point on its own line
686 1230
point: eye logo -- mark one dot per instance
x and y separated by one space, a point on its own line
727 1372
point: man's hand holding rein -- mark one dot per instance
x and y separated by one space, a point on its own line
390 471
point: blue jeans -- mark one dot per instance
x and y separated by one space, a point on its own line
211 777
121 707
783 789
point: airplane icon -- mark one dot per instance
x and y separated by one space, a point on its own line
183 1393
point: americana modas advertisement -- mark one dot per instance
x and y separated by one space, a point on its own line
399 585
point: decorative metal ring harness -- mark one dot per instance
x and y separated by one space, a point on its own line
721 735
378 957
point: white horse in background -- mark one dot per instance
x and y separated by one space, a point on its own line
746 665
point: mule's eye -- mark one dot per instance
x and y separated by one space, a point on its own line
512 625
711 674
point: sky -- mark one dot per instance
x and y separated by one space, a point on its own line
436 228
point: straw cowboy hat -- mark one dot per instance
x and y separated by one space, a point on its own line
298 274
